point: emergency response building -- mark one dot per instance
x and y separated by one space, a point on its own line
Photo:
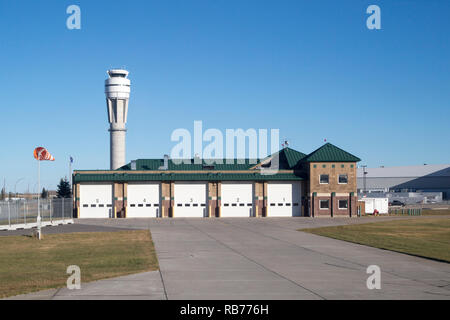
288 183
322 183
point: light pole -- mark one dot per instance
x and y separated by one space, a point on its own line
15 190
364 178
34 187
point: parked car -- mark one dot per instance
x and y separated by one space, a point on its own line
396 203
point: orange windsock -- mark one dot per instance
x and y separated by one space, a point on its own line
42 154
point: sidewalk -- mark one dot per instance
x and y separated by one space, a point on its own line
141 286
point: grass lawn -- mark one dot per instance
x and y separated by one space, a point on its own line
429 212
425 237
27 264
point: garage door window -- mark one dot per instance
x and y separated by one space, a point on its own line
324 179
324 204
343 204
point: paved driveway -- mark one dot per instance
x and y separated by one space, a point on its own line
268 259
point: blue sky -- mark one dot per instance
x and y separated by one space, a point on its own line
309 68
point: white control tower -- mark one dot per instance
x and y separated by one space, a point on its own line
117 91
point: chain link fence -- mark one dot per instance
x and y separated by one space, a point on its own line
26 211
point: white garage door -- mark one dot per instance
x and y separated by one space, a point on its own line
143 200
190 200
96 201
236 200
284 199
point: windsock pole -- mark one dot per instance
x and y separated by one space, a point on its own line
40 154
39 205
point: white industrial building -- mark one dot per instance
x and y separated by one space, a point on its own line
405 179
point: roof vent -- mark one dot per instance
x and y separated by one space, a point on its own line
133 164
166 163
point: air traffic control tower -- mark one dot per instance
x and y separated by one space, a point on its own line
117 91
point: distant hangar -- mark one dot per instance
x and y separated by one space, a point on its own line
422 178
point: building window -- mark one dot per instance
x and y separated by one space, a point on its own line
324 204
323 179
332 165
343 179
343 204
324 166
351 166
342 166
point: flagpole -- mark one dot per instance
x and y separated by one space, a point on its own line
39 206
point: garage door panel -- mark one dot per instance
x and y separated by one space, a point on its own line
143 200
190 200
96 201
236 200
284 199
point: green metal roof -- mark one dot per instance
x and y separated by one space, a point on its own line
122 177
293 157
330 153
210 170
287 161
191 165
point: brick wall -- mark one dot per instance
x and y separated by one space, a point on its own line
258 198
321 212
333 170
333 190
213 199
119 199
166 203
336 210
